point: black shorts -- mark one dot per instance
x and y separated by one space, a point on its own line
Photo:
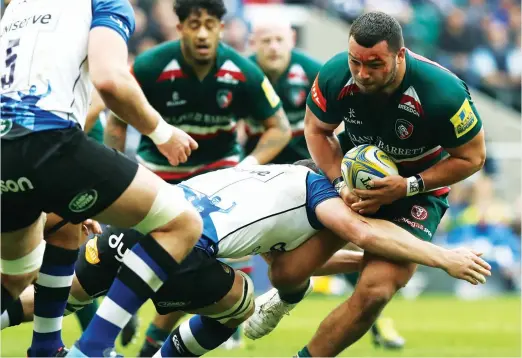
201 280
59 171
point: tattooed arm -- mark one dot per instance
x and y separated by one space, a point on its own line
276 136
115 133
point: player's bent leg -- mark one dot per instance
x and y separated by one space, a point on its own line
171 227
290 274
158 331
212 325
22 253
380 279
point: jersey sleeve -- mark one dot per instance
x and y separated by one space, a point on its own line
318 189
261 99
117 15
457 120
144 69
320 100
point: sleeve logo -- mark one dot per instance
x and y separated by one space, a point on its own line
317 96
270 94
464 120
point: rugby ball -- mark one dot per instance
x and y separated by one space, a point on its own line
364 163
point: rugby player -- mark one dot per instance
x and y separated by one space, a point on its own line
423 117
54 51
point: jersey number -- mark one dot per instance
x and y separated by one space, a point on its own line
10 63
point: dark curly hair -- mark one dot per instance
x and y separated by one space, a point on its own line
373 27
184 8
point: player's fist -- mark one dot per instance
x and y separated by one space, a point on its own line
466 264
179 146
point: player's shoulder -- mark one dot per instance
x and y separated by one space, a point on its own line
310 65
232 62
435 85
334 74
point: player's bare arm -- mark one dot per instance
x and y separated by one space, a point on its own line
276 136
326 152
95 109
119 90
323 144
115 134
462 162
388 240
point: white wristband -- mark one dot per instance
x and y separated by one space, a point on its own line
339 186
412 186
162 133
249 160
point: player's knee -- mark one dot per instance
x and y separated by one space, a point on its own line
243 303
20 273
16 284
171 212
375 295
284 276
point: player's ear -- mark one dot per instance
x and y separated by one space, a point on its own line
401 55
179 28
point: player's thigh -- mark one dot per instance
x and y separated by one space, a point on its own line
291 268
20 243
383 275
20 205
89 180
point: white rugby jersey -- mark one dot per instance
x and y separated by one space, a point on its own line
257 209
44 78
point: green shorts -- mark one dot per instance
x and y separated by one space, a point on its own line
420 215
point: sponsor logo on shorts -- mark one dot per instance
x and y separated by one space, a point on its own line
170 304
414 225
116 243
21 184
403 128
83 201
418 212
5 126
91 251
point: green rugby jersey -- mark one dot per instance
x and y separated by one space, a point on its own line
292 87
207 110
431 110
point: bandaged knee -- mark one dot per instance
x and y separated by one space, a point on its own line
169 203
27 264
242 307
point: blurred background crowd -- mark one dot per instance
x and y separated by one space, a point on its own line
479 40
